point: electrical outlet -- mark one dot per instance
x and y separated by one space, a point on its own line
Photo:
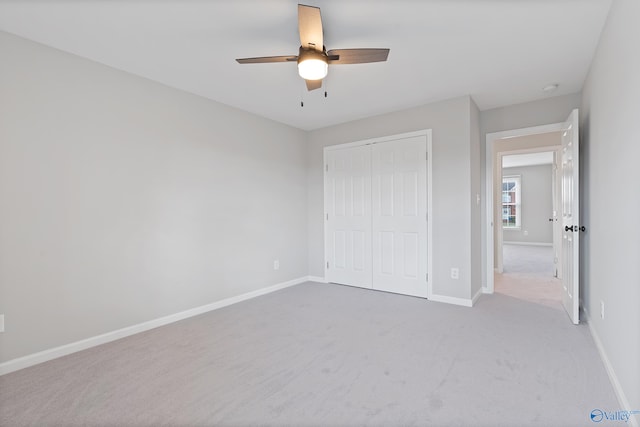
1 322
455 273
602 309
526 232
276 265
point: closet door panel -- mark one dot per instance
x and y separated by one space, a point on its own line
399 216
348 216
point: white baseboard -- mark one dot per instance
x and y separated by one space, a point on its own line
63 350
452 300
527 243
317 279
622 398
476 296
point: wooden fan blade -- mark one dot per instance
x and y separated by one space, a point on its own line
313 84
357 56
310 27
266 59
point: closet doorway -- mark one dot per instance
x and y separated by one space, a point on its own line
377 214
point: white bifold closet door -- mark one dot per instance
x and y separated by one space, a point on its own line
399 216
348 207
376 208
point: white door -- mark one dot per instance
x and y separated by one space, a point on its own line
348 216
570 218
556 186
399 196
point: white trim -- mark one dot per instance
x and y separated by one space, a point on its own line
518 203
617 388
379 139
491 138
465 302
317 279
527 243
425 132
63 350
475 298
490 202
429 214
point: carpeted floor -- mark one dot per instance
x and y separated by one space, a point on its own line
528 259
318 354
528 274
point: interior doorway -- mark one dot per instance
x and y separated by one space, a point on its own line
529 204
525 240
568 165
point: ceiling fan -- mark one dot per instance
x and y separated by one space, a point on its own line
313 59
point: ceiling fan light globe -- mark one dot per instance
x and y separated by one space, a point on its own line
313 69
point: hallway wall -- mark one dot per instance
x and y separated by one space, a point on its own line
610 196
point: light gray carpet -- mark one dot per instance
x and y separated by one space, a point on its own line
533 288
528 259
318 354
529 275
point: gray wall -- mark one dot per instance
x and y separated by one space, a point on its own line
123 200
542 112
610 151
536 206
450 121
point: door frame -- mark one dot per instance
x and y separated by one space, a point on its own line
425 132
491 138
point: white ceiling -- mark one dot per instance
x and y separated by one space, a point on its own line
530 159
500 52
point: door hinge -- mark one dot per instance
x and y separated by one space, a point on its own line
427 277
326 168
426 155
327 265
327 217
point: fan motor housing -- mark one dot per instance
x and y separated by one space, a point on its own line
306 54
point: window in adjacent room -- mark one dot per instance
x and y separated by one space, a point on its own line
511 202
